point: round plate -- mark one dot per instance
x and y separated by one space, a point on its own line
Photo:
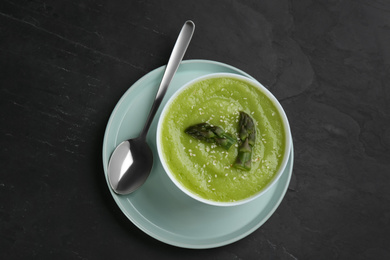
159 208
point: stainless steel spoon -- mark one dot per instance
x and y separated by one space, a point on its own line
132 160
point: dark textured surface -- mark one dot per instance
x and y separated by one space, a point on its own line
65 64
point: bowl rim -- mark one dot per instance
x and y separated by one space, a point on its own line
270 96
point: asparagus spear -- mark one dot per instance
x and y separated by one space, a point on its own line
247 134
211 134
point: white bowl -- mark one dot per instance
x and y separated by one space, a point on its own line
287 144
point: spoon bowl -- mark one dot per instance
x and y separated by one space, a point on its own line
129 159
132 160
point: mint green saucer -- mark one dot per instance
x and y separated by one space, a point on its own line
159 208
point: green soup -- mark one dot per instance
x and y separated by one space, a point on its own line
206 169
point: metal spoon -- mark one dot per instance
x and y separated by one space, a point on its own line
132 160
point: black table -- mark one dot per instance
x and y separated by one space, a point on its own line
64 65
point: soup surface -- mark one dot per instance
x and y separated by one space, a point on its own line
206 169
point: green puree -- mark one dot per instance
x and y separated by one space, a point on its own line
206 169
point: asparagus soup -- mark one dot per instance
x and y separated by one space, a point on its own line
200 116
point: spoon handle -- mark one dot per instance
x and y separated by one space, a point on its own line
176 57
